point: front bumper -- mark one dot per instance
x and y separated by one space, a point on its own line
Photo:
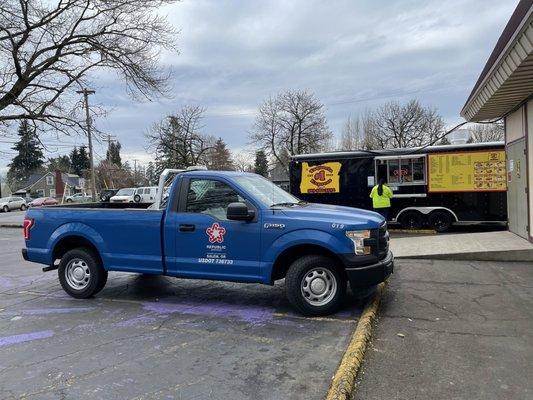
367 275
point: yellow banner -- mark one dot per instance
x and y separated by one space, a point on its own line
323 178
474 171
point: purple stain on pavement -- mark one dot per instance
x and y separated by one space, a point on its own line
250 314
25 337
142 319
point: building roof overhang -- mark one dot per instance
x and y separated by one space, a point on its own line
507 78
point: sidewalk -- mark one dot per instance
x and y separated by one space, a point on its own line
467 333
12 218
485 246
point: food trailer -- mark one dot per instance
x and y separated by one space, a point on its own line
436 186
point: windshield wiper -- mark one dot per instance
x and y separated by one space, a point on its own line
284 204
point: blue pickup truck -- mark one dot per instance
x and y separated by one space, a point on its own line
215 225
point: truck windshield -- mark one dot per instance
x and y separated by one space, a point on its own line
265 191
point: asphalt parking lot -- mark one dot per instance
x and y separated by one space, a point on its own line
149 337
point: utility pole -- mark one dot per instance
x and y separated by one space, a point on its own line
86 92
109 140
135 171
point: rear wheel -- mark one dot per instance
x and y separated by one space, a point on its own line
411 220
314 286
81 274
440 220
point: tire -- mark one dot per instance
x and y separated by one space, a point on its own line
69 200
81 274
23 207
440 220
5 209
411 220
298 283
361 293
137 198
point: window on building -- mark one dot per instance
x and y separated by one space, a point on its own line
52 193
40 192
49 180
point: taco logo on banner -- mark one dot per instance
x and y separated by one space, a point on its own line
323 178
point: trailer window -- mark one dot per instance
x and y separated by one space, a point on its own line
406 171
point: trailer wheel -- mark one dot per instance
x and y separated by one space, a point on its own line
314 286
411 220
440 220
81 273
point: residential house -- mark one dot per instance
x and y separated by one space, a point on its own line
51 184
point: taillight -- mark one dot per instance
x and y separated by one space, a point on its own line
28 223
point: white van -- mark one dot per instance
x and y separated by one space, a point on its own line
145 194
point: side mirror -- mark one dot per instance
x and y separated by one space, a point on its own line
239 212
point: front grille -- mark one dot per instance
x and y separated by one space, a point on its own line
380 241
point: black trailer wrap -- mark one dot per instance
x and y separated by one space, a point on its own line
475 195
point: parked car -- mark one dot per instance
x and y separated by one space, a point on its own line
106 194
217 225
124 195
78 198
145 194
12 203
43 201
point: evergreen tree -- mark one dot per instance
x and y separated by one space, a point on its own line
113 153
79 160
261 163
29 158
151 176
220 157
61 163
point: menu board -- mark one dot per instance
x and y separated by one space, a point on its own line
474 171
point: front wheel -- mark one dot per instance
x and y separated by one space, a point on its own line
69 200
81 274
23 207
314 286
5 208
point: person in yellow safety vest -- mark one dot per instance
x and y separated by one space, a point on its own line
381 195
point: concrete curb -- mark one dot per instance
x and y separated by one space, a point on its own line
343 383
520 255
10 226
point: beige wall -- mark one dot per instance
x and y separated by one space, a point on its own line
530 163
514 125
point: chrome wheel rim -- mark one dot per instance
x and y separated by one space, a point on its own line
77 274
318 286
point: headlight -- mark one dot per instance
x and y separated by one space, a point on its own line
358 239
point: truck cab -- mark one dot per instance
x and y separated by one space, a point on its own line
218 225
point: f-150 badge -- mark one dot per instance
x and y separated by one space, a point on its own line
215 233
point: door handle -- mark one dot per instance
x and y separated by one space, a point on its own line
187 227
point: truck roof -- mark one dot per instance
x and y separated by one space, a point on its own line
215 172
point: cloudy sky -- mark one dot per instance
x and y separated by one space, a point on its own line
353 54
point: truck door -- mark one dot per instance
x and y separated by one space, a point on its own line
207 244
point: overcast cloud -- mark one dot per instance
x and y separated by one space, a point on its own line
352 54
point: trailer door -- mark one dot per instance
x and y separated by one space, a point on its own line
516 188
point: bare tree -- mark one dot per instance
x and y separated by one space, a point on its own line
352 135
178 140
397 125
48 49
243 162
487 133
294 123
